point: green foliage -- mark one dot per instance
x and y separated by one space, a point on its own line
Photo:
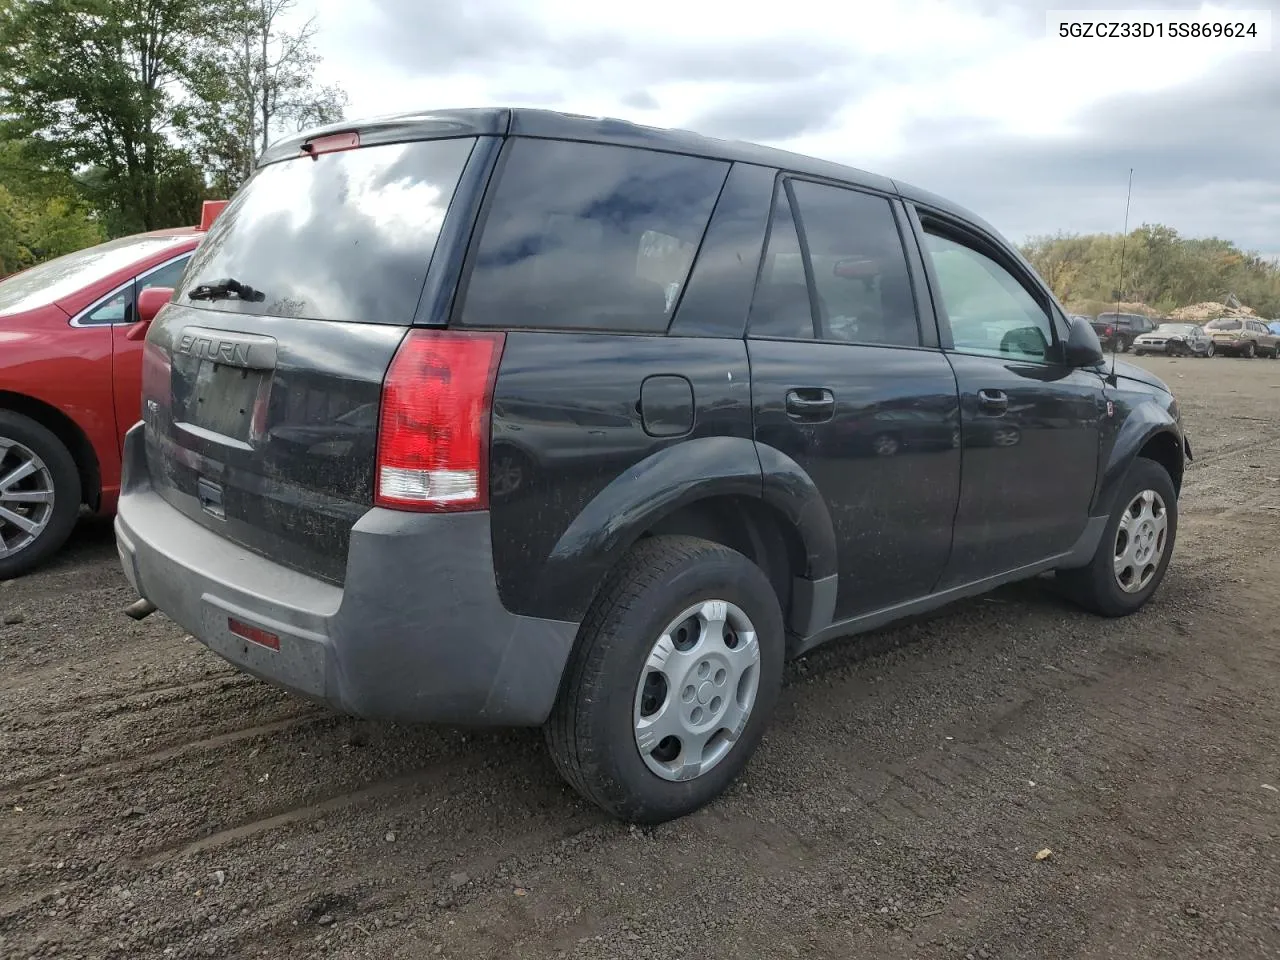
42 215
96 84
1162 270
120 116
255 85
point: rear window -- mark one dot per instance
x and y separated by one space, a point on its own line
1223 325
344 236
587 236
55 279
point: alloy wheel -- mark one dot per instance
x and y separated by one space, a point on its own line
26 496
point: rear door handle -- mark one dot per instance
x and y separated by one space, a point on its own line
811 404
993 401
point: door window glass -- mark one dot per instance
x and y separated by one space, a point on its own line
781 307
115 309
859 267
991 313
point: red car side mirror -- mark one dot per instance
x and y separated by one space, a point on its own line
150 302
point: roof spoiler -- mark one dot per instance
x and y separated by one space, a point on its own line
209 211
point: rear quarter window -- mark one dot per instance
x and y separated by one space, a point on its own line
589 237
342 236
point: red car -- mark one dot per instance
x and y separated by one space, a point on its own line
71 382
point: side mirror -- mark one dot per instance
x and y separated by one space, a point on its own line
150 302
1083 349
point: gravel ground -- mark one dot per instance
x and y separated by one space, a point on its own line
153 802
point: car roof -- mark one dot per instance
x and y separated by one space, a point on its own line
555 125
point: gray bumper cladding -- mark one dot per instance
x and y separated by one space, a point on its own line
417 633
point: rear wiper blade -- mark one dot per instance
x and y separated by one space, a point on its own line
221 289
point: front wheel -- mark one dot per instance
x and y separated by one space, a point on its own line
673 680
1208 351
1249 350
1135 548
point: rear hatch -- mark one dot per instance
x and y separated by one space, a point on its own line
262 381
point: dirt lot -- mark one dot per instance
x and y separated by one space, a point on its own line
155 803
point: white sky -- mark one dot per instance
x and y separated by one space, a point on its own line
966 97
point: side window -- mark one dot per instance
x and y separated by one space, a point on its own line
588 236
166 276
859 267
118 308
781 305
990 311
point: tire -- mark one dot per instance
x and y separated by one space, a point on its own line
1209 351
1139 353
594 731
1097 587
1250 349
40 528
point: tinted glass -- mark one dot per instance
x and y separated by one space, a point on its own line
117 309
343 236
990 311
585 236
65 275
859 268
781 306
167 276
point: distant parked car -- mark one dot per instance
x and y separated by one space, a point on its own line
1175 340
1244 337
1274 326
71 382
1117 331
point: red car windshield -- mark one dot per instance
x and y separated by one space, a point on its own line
49 282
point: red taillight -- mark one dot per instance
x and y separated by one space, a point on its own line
1110 331
433 431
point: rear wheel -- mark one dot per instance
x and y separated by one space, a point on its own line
675 676
39 494
1135 549
1250 349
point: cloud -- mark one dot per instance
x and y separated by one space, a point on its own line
1204 160
639 100
968 98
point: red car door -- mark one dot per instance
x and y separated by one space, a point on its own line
126 353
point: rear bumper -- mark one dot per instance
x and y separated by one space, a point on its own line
417 632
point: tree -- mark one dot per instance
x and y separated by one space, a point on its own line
42 214
97 84
255 86
1161 270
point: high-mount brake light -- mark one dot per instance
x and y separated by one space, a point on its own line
333 143
433 430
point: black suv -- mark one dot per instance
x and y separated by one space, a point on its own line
512 417
1117 331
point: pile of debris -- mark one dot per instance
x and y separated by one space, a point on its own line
1212 310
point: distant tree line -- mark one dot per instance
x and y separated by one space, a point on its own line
1161 269
118 116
